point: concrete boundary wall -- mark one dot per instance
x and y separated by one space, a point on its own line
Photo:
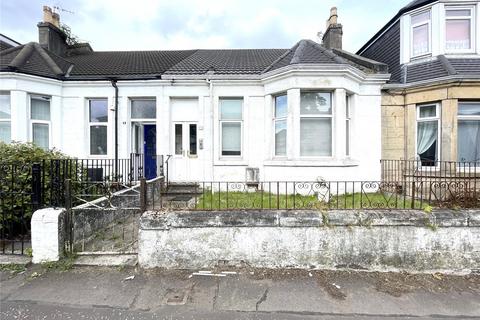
374 240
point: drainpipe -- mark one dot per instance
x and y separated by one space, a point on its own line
114 84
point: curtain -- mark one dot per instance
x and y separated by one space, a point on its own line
40 135
281 137
426 136
231 138
469 141
40 109
5 132
315 137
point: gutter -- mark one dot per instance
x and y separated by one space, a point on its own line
114 84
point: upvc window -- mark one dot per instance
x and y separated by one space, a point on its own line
348 121
98 123
40 121
316 124
468 135
420 33
428 119
5 117
458 29
280 125
143 109
231 124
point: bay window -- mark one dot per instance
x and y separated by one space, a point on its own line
428 134
98 122
231 115
420 33
468 136
280 124
5 117
458 29
315 124
40 121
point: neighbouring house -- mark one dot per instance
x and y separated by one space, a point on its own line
431 104
301 114
7 43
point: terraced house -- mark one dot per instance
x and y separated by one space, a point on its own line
431 104
305 113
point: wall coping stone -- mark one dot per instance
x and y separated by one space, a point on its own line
163 220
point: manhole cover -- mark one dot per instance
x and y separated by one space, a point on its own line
176 297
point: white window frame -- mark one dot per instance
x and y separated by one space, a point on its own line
151 120
472 19
9 120
96 124
221 122
412 26
348 125
35 121
467 118
429 119
318 116
274 121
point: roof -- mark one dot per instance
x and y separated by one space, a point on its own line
100 65
7 42
409 7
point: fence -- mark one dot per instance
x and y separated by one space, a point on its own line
329 195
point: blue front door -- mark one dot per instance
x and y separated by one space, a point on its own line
150 150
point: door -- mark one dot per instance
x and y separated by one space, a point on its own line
185 163
150 150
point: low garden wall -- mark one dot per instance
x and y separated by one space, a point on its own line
372 239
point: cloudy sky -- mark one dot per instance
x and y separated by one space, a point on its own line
186 24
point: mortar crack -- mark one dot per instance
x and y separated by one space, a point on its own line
262 299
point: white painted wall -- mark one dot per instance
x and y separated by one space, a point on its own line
69 108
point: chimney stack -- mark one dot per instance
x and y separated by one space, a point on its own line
332 39
50 36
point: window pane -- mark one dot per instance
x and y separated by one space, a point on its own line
457 34
469 109
178 139
144 109
428 111
427 135
231 139
98 110
98 140
420 40
315 103
193 139
458 13
40 135
281 107
40 109
231 109
281 138
469 140
5 132
422 17
315 137
5 106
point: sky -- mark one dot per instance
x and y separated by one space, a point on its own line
187 24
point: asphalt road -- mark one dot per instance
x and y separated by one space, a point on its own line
34 311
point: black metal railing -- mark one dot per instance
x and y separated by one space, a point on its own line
319 195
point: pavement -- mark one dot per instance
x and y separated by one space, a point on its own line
60 291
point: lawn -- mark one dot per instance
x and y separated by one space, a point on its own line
263 200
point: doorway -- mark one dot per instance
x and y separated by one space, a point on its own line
150 150
185 163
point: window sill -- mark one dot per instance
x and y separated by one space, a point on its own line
312 163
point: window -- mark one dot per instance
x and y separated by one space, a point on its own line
143 109
421 34
40 121
468 146
5 117
315 124
280 124
98 121
458 29
428 134
347 125
231 126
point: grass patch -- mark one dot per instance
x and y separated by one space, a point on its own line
62 265
265 200
13 268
